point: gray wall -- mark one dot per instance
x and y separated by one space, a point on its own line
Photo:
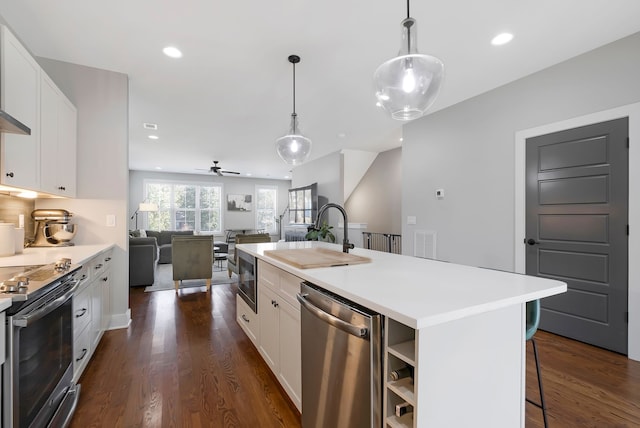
102 99
234 185
468 150
376 200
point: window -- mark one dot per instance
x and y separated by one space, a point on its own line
303 204
185 206
266 208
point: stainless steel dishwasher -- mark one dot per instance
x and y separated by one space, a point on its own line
341 361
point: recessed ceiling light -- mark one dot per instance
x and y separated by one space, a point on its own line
501 39
152 126
158 167
286 176
342 135
249 174
401 139
153 137
172 52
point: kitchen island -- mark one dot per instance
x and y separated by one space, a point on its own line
461 328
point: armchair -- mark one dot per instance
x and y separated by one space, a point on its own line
143 258
192 258
232 258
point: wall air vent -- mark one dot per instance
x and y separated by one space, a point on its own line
424 244
152 126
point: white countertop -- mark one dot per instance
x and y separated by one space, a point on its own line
416 292
44 255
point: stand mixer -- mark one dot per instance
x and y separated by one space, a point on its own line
53 228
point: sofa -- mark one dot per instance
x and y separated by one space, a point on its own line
143 258
164 242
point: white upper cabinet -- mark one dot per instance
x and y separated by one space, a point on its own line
20 97
45 160
58 121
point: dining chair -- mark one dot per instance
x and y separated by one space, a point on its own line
532 323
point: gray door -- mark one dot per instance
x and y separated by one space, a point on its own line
576 225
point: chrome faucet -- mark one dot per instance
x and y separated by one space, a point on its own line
345 242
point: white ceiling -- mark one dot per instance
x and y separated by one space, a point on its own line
229 97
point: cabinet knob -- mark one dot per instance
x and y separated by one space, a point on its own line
105 279
99 266
9 174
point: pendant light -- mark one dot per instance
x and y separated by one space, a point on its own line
408 84
294 148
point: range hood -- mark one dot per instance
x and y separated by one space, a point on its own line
11 125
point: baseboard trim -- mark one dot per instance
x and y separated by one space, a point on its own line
118 321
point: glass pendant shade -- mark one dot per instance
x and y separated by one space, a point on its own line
407 85
294 148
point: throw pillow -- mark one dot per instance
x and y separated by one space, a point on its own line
143 233
134 233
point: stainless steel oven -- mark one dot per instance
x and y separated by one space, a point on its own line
248 279
38 388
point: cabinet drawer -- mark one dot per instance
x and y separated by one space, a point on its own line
268 275
247 319
81 311
289 287
100 263
81 352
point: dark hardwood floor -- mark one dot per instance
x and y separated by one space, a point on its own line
584 386
184 362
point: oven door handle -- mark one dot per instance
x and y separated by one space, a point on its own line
25 320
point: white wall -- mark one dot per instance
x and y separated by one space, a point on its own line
327 172
469 151
102 99
377 200
233 185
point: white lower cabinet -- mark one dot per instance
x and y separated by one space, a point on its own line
269 315
248 320
290 352
279 320
91 310
81 322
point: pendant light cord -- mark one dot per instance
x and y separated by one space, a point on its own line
408 26
294 88
408 16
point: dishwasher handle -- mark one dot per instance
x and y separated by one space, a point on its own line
355 330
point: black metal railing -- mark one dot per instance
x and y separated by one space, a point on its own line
388 242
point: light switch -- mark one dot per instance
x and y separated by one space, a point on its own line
439 193
111 220
411 219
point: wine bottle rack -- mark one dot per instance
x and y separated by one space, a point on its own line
400 352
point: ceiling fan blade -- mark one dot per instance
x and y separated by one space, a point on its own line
219 173
230 172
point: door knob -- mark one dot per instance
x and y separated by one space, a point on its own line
530 241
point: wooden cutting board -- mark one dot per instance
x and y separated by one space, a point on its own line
306 258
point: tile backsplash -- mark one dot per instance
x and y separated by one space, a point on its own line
11 207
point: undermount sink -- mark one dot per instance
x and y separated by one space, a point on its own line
307 258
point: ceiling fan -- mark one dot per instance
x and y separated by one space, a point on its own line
218 170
